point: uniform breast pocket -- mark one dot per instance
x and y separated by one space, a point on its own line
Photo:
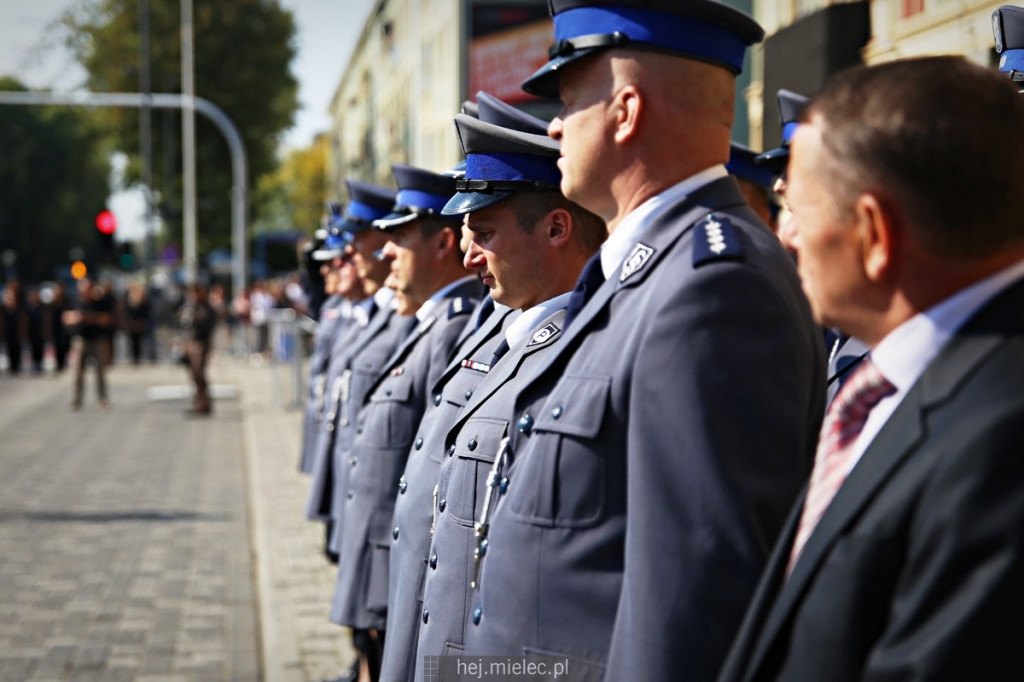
392 403
476 446
559 478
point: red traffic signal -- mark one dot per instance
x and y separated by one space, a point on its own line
106 222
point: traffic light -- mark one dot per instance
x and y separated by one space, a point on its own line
106 225
106 222
126 259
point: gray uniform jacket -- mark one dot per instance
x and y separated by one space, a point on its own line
351 339
416 488
472 444
367 345
914 570
688 391
330 322
385 430
364 367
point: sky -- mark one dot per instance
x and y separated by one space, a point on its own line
327 31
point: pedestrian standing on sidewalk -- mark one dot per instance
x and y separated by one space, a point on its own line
94 313
199 319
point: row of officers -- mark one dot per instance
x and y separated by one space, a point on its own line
574 403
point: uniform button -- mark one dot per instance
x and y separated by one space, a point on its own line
482 548
442 504
418 444
387 392
437 399
394 533
433 560
503 485
350 494
352 460
557 411
329 427
403 485
426 616
451 450
478 613
469 394
471 444
525 423
344 421
360 430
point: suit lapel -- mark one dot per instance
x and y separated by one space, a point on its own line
898 439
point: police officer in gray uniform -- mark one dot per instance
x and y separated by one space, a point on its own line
436 291
660 443
335 311
530 249
417 486
374 325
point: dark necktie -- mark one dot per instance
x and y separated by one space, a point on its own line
844 420
590 280
499 352
484 311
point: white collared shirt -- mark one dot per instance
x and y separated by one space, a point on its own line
523 326
636 222
905 352
432 302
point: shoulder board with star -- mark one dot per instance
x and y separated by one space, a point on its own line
460 305
715 238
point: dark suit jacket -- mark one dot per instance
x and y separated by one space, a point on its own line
916 569
658 449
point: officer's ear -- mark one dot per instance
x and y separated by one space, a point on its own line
628 107
446 242
558 224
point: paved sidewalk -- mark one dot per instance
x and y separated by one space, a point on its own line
295 581
137 544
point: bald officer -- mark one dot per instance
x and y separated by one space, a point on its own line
659 445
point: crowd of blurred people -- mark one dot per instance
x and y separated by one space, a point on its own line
37 331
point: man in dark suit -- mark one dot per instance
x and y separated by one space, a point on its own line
659 445
904 559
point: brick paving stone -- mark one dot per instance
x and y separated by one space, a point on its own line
139 545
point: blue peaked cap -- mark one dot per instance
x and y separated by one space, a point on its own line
1008 33
420 193
499 162
790 106
366 203
705 30
490 109
741 164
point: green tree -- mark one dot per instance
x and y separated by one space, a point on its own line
54 174
295 195
243 51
